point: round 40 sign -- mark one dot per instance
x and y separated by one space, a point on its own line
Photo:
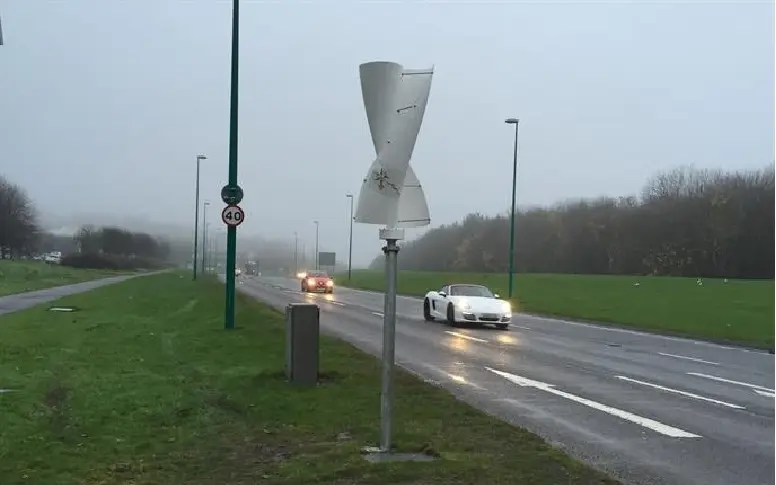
232 215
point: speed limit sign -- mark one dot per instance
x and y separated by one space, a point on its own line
232 215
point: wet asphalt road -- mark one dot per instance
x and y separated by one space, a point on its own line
22 301
645 408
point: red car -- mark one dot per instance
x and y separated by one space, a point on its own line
317 281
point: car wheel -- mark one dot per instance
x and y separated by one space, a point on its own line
427 311
451 315
304 289
502 326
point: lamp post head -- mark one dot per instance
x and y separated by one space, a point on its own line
511 121
349 196
201 157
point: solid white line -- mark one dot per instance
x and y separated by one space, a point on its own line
337 303
656 426
764 393
738 383
378 314
463 335
683 393
694 359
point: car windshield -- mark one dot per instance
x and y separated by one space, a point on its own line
470 290
317 274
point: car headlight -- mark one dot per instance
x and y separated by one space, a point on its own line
507 308
330 283
311 282
463 305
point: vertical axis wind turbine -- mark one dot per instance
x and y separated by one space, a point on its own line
395 101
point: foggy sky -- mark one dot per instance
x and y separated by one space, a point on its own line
105 104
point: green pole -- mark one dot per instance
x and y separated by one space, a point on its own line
231 232
515 122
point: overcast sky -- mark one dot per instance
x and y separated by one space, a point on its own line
104 104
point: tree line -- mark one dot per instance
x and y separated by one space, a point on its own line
103 247
686 222
120 242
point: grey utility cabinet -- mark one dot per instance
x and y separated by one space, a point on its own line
302 330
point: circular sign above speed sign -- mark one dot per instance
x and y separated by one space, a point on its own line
232 215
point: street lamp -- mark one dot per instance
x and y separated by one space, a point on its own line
206 261
296 253
196 214
350 246
204 233
516 122
316 244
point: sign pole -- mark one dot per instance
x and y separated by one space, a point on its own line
231 232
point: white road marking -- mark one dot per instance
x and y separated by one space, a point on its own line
463 335
729 381
520 326
765 393
683 393
378 314
337 303
656 426
694 359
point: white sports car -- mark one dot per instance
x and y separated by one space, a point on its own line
467 303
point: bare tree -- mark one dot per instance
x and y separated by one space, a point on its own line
18 221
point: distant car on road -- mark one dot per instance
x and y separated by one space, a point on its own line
237 272
54 257
467 303
317 281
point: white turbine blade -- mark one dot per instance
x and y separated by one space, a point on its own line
413 208
375 206
410 105
379 83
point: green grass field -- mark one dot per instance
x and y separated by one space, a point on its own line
21 276
142 385
738 311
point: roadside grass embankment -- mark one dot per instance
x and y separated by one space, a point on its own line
143 385
22 276
736 311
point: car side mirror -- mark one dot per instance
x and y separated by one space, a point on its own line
496 295
443 294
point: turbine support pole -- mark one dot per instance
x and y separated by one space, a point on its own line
391 250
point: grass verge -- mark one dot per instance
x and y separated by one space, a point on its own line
738 311
143 386
21 276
